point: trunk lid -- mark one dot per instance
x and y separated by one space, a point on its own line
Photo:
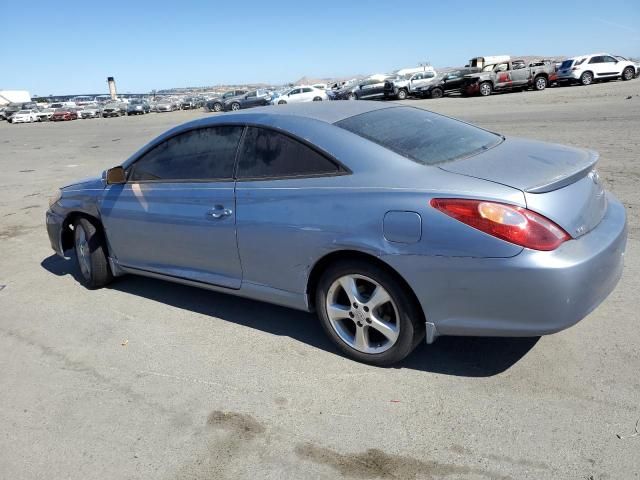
558 182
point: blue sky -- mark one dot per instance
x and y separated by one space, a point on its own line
68 47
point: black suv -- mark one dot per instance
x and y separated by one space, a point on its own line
449 82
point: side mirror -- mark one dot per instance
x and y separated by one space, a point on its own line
116 176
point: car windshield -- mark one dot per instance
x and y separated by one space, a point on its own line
566 64
419 135
24 111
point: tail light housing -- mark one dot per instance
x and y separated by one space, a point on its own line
508 222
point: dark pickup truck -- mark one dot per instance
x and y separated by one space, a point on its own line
509 75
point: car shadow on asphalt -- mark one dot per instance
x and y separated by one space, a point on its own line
456 356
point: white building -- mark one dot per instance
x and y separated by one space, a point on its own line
14 96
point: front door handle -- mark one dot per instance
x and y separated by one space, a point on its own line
219 212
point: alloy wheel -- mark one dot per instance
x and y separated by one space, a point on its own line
83 253
363 314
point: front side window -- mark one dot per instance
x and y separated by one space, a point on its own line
307 90
202 154
609 59
252 94
269 154
295 91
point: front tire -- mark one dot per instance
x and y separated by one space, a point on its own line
281 102
367 313
352 96
628 73
91 254
217 107
317 99
586 78
235 106
485 89
540 83
437 93
402 94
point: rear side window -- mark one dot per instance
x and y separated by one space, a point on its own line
420 135
267 153
202 154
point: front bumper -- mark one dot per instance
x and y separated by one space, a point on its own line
533 293
54 230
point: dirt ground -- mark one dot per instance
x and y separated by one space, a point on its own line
146 379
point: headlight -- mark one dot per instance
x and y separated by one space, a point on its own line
54 199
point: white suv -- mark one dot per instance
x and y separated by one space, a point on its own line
588 68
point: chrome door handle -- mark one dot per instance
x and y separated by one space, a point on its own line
219 212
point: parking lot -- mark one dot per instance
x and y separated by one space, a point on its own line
147 379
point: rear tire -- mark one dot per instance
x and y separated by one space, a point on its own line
352 96
628 73
485 89
235 106
281 102
586 78
399 315
91 254
540 83
317 99
217 107
437 93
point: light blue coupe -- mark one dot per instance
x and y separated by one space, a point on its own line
392 222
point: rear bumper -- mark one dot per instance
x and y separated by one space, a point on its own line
533 293
54 230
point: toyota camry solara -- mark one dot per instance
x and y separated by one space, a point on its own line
392 222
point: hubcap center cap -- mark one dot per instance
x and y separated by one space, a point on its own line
360 316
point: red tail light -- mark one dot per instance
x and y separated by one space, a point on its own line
507 222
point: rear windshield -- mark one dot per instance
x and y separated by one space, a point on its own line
419 135
566 64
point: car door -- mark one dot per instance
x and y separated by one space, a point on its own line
503 75
175 215
294 95
452 81
595 64
250 100
519 74
609 66
279 210
308 94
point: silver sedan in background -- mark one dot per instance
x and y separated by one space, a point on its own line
392 222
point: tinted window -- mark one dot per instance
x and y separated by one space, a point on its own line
609 59
206 153
596 60
422 136
429 75
252 94
265 153
307 90
566 64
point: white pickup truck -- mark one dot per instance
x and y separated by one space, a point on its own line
411 84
